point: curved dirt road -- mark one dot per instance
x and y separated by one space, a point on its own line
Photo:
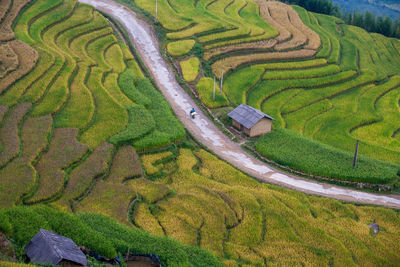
142 37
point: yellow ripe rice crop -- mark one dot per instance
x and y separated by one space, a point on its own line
150 192
6 33
150 161
52 164
145 220
265 13
190 69
180 48
205 88
3 111
8 59
27 58
9 133
4 6
82 176
231 63
260 45
20 176
113 194
114 58
283 14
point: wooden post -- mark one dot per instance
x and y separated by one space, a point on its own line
214 90
222 81
155 18
356 155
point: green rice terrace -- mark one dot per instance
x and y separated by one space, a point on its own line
330 83
90 149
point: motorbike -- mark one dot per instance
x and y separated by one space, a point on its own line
193 114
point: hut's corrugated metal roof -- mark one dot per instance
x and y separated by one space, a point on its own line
48 247
247 116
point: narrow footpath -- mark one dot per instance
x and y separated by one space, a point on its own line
202 128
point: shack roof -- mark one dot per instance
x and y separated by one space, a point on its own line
48 247
247 116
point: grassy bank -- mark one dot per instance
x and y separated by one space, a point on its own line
304 154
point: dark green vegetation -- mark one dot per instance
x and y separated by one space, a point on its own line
301 153
99 233
382 16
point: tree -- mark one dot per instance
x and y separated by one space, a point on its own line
358 19
396 29
384 26
369 21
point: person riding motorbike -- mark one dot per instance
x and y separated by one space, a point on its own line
192 113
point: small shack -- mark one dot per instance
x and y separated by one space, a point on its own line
250 120
49 248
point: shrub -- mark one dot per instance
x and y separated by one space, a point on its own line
170 251
70 226
25 224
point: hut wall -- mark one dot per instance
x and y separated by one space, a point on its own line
236 125
261 127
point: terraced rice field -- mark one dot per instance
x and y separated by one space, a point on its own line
217 207
310 71
57 115
82 132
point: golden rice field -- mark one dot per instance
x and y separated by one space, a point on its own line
200 200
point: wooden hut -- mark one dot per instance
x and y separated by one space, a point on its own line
250 120
49 248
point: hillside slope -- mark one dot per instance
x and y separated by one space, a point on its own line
325 80
70 132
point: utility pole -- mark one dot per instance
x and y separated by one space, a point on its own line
214 90
155 18
222 81
355 155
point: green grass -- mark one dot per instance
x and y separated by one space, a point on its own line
180 48
166 122
300 153
205 90
140 123
190 69
126 82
